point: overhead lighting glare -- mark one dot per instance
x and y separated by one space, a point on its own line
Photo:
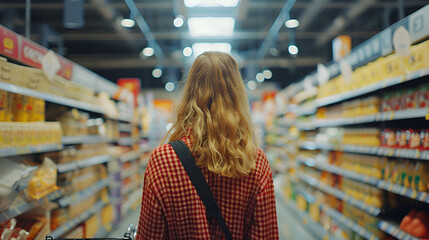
128 23
292 23
260 77
293 49
148 51
211 26
169 87
251 85
199 48
267 74
157 73
178 21
187 51
211 3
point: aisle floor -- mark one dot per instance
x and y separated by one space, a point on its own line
289 229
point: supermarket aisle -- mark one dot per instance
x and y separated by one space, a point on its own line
119 229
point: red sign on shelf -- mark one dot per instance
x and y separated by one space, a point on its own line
32 53
9 43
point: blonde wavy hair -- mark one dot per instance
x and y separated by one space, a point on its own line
215 109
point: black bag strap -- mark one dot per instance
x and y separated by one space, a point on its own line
200 184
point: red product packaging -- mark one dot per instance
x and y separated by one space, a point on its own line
414 140
401 138
395 102
388 138
410 99
385 103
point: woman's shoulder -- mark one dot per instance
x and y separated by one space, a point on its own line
262 164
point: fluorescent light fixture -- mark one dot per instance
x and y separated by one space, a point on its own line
293 49
187 51
260 77
157 73
211 26
148 51
128 23
211 3
169 87
251 85
267 74
178 21
199 48
292 23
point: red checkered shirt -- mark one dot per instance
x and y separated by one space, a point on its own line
172 209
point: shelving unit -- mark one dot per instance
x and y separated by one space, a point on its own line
60 231
71 166
84 194
87 139
339 98
15 151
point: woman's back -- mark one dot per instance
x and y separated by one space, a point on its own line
172 209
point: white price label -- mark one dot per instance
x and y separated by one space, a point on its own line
322 74
402 41
50 64
346 70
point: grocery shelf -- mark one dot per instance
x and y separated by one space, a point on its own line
84 194
129 172
126 141
380 117
130 156
102 233
375 211
14 151
84 139
379 151
63 229
306 110
14 211
87 162
371 88
125 127
394 231
349 223
382 184
306 126
404 191
339 171
51 97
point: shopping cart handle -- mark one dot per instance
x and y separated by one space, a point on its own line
132 231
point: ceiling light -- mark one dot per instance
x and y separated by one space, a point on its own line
267 74
178 21
260 77
293 49
157 73
169 86
211 3
273 51
128 23
199 48
251 85
187 51
292 23
148 51
211 26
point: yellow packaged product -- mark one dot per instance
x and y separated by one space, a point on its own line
36 110
419 57
91 226
44 180
5 135
107 215
4 105
20 108
392 66
421 176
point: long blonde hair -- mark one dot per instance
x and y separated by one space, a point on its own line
214 107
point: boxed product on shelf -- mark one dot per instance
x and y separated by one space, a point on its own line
17 134
407 99
371 166
24 228
405 138
91 226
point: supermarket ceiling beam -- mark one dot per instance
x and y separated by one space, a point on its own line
167 35
168 5
130 62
